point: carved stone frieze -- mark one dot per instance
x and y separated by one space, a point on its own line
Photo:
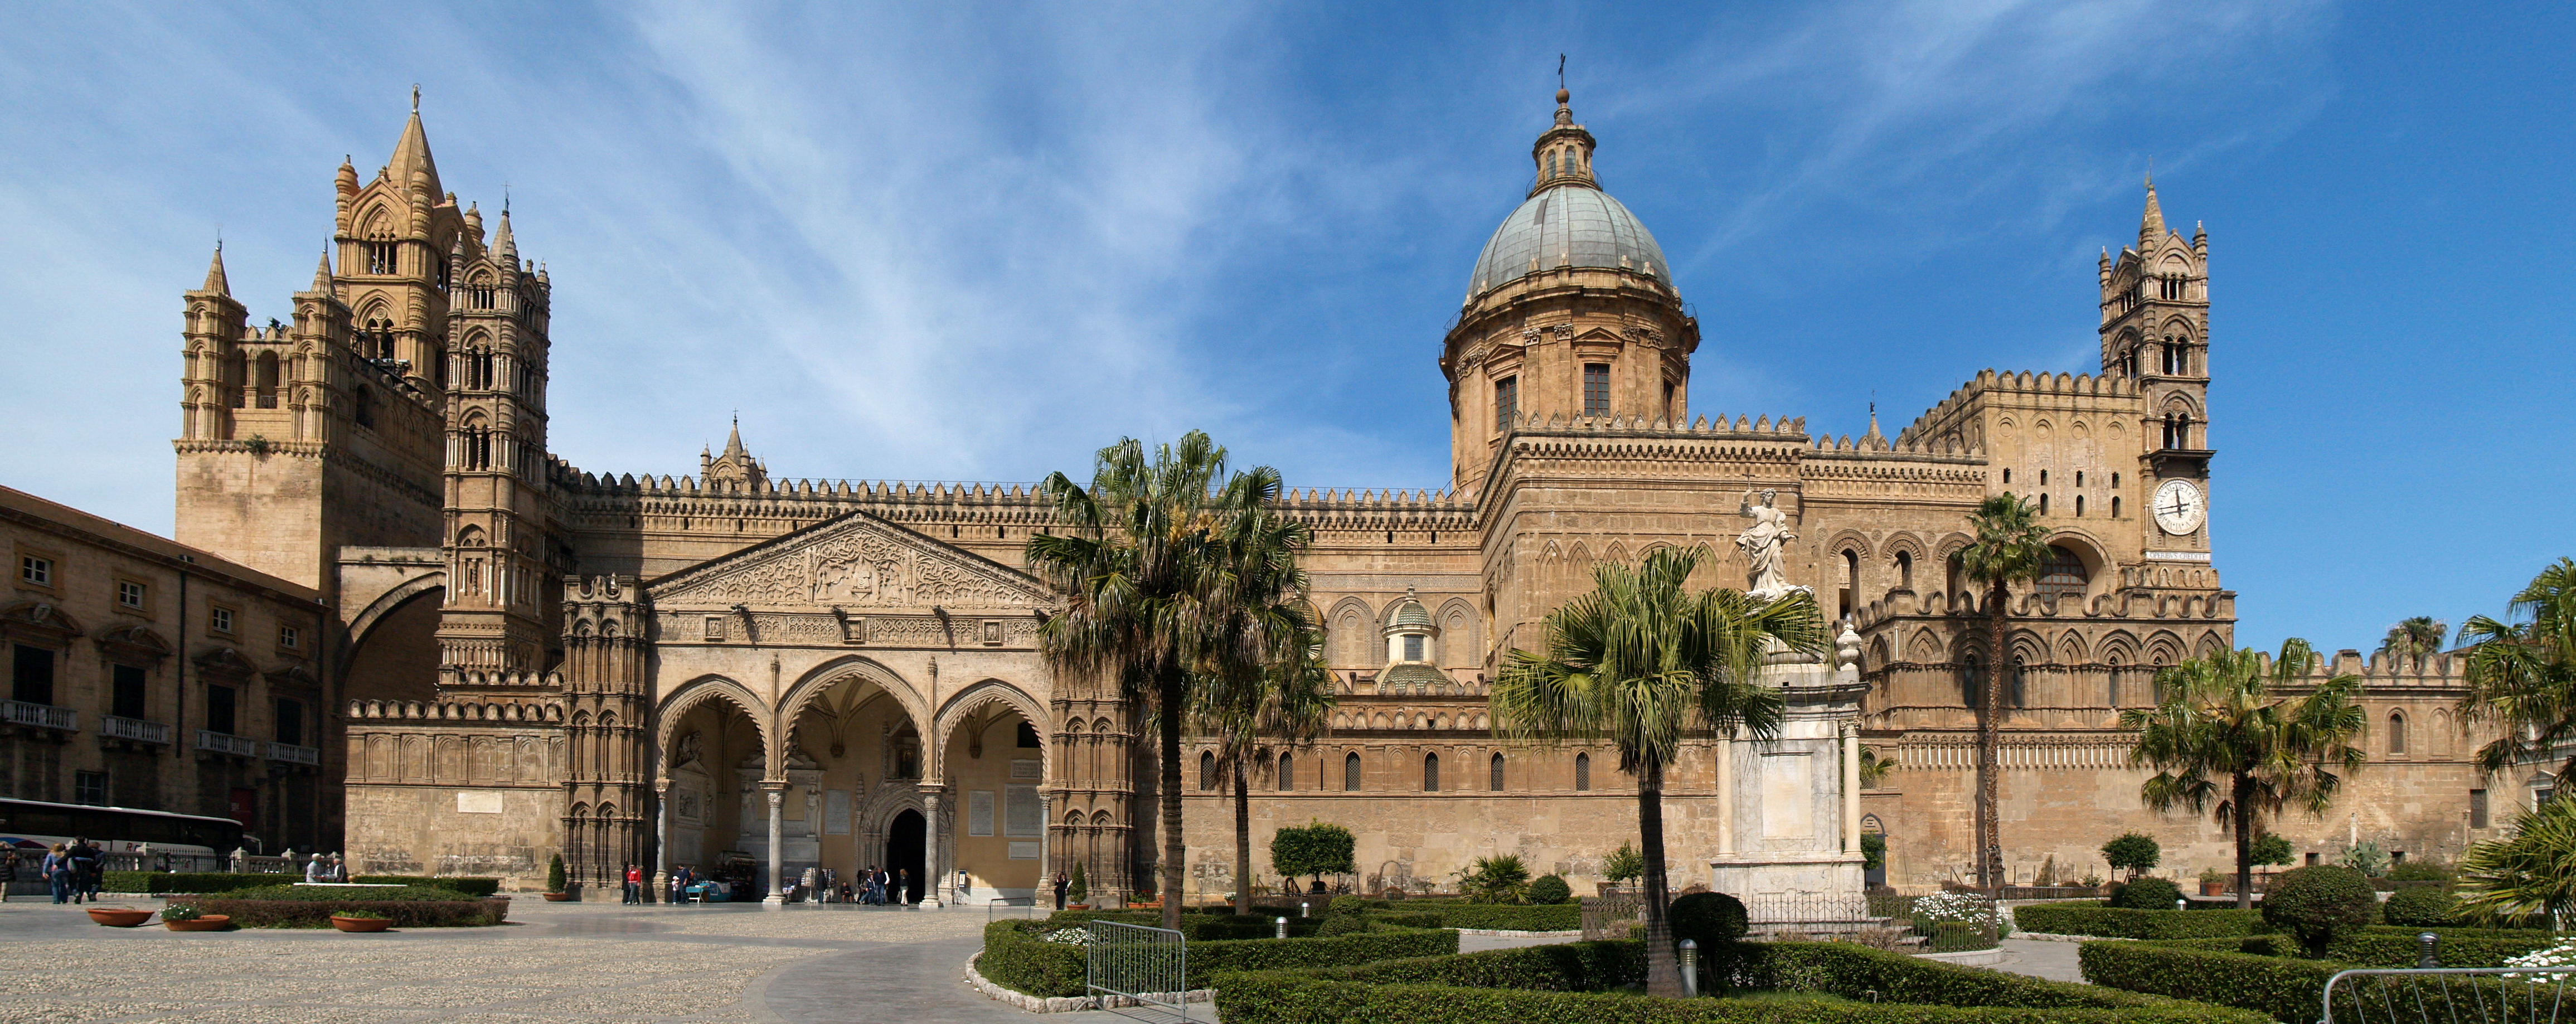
857 561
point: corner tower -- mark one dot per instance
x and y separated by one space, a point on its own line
501 565
2155 333
1570 313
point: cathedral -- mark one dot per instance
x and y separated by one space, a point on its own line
738 668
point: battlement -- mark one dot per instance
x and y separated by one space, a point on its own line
2214 606
457 711
1990 381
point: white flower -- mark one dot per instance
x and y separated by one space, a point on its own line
1069 936
2561 955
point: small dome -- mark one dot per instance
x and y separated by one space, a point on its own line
1567 226
1411 615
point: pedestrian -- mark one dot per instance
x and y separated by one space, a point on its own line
635 883
87 860
58 872
339 868
313 870
1062 885
8 871
903 886
874 881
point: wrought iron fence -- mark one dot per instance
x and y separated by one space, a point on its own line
2449 995
1134 967
1610 916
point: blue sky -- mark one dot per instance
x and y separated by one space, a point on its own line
973 242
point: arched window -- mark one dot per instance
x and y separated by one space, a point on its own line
2064 575
1431 773
2115 506
1851 581
2017 688
2396 732
1972 680
1494 780
1582 772
1351 773
2079 504
264 383
1207 771
2043 504
1287 773
1904 570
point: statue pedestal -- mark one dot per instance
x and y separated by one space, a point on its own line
1785 847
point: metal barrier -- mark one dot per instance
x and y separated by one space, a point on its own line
1131 966
2449 995
1030 902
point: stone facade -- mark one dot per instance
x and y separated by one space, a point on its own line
151 675
735 667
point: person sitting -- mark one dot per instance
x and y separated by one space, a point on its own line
314 870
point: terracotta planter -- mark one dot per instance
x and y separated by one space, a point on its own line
119 917
1077 906
208 923
361 924
2213 888
557 897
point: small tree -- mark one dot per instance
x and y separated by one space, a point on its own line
1503 879
1550 889
554 873
1624 864
2272 851
1316 848
2133 852
1079 891
2149 893
1873 851
2320 903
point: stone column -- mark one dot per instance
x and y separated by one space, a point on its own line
1726 793
661 841
933 863
777 791
1851 786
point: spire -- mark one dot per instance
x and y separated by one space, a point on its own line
411 158
502 243
322 273
733 443
215 281
2151 227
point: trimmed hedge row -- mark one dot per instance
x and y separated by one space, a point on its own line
1017 957
1542 917
468 886
2089 917
2284 988
2387 947
159 882
415 912
1534 984
1197 927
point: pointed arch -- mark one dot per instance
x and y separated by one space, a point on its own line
983 693
820 679
716 688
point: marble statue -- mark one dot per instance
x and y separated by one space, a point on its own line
1763 544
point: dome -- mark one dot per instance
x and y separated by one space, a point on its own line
1410 615
1567 226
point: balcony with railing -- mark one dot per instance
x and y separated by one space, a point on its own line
121 728
42 716
293 754
226 743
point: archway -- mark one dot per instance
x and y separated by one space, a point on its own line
992 761
904 848
856 764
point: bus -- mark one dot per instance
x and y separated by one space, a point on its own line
38 825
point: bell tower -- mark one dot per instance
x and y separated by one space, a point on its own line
2155 333
501 567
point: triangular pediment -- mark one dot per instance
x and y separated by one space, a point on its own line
855 561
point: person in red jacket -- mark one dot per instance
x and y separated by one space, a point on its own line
634 883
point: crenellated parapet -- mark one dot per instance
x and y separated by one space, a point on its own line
528 712
1942 424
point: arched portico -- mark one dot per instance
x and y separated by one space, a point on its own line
986 798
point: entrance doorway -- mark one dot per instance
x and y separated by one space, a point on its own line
903 849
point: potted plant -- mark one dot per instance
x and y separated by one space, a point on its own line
119 917
182 917
555 887
361 921
2213 882
1080 891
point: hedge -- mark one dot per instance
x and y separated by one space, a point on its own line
468 886
1533 984
2287 988
1016 957
406 912
2389 947
2088 917
158 882
1197 927
1544 917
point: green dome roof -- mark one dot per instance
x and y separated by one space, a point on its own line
1567 226
1411 613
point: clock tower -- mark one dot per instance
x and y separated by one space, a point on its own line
2155 332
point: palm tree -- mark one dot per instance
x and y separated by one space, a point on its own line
2415 638
2010 547
1283 694
1638 662
1149 602
2532 871
2227 721
2522 675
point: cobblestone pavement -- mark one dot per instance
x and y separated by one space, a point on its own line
554 963
2054 961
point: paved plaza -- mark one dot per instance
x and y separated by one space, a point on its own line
553 963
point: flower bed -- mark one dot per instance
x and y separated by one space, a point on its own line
1021 956
164 882
408 907
2090 917
466 885
1548 983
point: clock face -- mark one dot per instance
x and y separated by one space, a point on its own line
2180 507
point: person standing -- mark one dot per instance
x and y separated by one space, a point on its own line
339 868
8 871
903 886
1061 885
57 870
313 870
87 862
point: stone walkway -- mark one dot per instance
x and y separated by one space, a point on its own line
555 962
2054 961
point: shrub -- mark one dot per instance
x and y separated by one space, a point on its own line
2317 904
1351 904
1550 889
1708 918
1873 851
2146 894
2271 850
181 912
2420 908
2367 858
1499 879
2282 987
554 873
1557 917
1342 924
2133 852
363 915
2089 918
2419 871
1018 956
468 886
1079 890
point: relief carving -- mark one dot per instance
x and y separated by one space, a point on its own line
863 564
